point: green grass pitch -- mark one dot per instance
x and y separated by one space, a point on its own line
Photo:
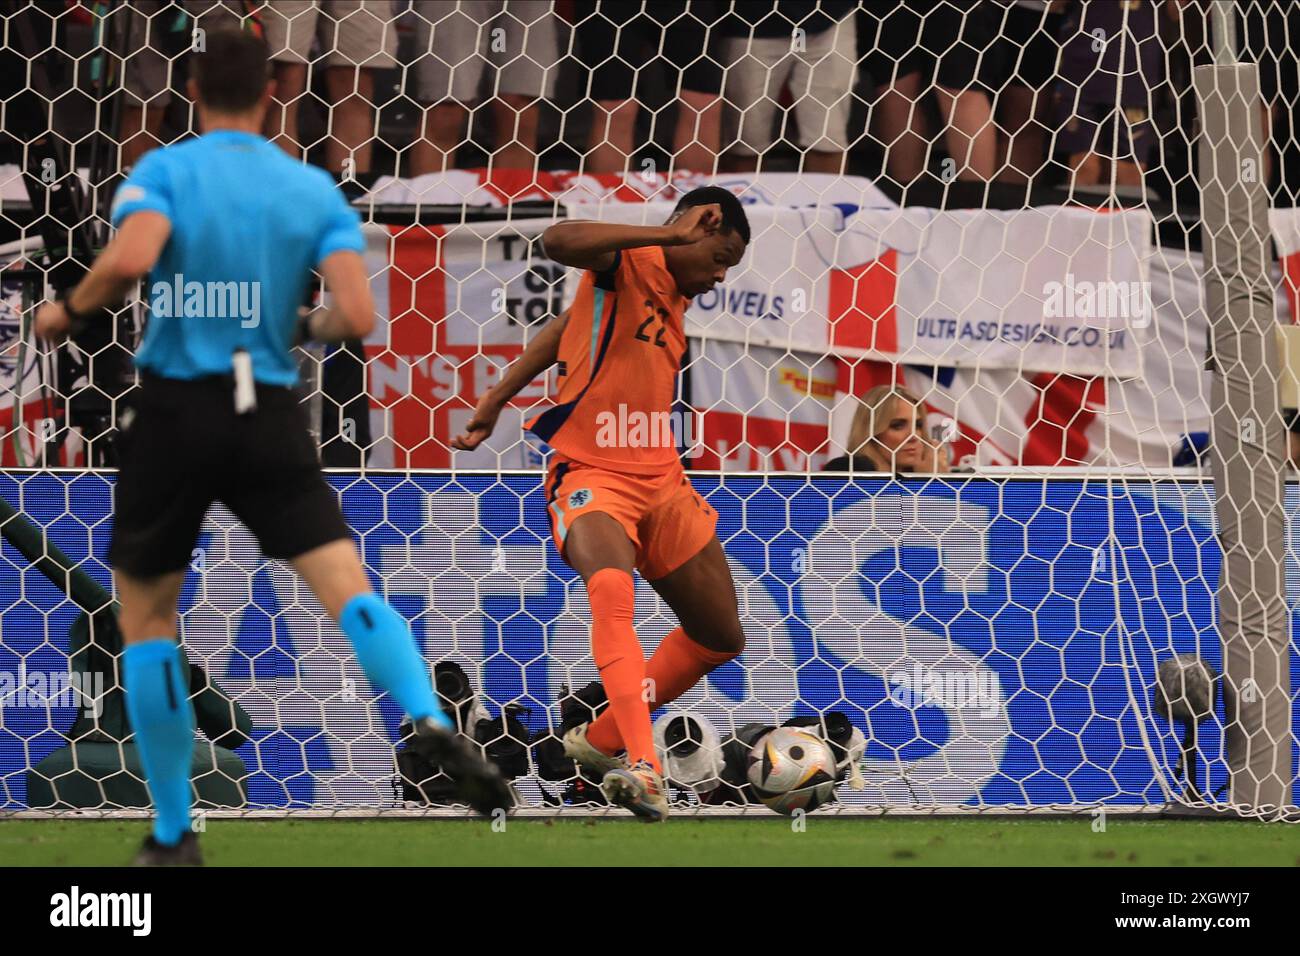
680 842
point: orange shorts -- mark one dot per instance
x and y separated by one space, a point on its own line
664 516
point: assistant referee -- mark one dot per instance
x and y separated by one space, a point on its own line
229 229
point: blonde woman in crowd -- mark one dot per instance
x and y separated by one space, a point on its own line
888 434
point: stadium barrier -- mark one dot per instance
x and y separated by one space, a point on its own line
997 638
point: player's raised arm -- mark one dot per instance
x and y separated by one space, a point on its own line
536 359
593 245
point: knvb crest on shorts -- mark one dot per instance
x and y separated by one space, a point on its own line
580 498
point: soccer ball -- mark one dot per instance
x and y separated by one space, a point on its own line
790 769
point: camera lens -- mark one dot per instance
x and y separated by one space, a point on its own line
452 683
683 736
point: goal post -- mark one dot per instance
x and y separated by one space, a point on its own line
1248 457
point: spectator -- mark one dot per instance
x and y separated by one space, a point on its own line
901 71
994 57
519 38
612 42
357 37
159 32
1109 51
887 434
1266 35
811 46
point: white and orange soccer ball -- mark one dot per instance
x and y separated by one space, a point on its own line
791 769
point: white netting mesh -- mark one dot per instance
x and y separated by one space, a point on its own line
992 207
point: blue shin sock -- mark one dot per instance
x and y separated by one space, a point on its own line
158 705
386 652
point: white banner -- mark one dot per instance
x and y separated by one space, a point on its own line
777 296
1050 289
502 187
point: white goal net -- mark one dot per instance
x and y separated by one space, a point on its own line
996 411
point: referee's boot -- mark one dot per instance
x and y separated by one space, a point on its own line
185 853
478 782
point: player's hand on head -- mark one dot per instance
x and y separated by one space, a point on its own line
480 426
51 321
697 222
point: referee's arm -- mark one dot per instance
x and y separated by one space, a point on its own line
124 262
351 314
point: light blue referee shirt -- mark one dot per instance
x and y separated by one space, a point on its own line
248 226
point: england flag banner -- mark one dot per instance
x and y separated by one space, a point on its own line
453 308
1095 361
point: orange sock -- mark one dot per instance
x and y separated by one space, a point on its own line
620 660
676 666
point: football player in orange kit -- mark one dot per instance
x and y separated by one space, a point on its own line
618 496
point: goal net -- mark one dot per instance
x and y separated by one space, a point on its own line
996 412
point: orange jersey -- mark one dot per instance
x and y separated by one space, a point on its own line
618 362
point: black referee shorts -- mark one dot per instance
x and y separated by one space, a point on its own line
183 447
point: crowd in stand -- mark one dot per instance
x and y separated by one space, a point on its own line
982 90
